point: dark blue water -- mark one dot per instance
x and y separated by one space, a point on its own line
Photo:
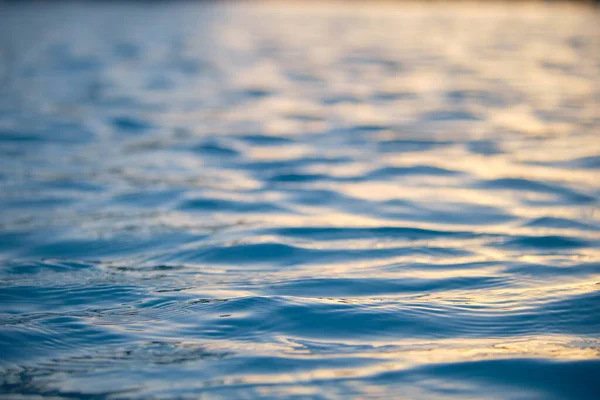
205 200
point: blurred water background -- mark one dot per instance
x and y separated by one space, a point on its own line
299 200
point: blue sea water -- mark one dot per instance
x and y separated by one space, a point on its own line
243 200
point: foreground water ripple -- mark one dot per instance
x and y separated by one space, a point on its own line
227 200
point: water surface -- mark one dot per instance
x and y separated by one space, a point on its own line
319 201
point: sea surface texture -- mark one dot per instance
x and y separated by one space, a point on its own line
240 200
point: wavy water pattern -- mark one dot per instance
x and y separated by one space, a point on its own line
232 200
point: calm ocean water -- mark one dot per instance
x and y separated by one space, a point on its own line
232 201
